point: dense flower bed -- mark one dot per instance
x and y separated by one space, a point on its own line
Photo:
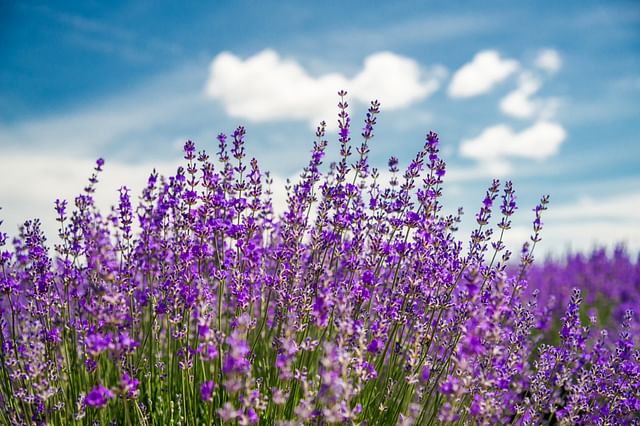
610 285
358 305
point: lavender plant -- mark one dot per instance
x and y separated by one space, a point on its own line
357 305
610 286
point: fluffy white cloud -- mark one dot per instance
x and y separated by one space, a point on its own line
395 80
519 104
497 143
267 87
479 76
548 60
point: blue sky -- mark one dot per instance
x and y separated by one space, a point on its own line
545 93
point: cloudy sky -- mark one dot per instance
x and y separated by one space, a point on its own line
546 94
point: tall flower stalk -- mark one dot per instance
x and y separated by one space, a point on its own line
358 305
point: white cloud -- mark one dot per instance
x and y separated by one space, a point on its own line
489 168
394 80
479 76
519 104
586 223
498 143
548 60
620 207
558 238
574 225
38 179
267 87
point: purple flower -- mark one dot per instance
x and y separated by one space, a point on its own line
129 385
91 365
53 336
476 406
252 417
98 397
235 361
208 351
206 390
450 385
203 330
125 343
426 374
97 342
375 346
368 277
227 413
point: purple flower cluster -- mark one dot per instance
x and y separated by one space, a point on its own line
583 380
358 305
610 286
98 397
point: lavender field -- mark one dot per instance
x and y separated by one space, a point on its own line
362 304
